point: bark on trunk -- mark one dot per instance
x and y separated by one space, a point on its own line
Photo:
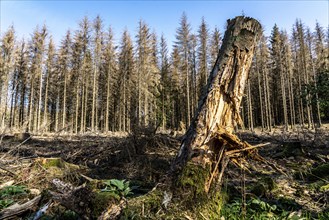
218 111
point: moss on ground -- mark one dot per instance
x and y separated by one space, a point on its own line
321 171
189 199
263 186
324 188
102 200
143 207
51 162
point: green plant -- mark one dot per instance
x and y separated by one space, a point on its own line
12 191
324 215
119 187
261 205
255 209
5 203
232 210
8 192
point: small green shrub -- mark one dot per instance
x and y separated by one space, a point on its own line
324 215
119 187
12 191
7 194
255 209
5 203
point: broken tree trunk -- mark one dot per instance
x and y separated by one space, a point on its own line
210 135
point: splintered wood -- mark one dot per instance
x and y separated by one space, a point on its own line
210 140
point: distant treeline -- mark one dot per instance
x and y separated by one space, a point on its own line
88 83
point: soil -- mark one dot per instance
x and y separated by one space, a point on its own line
294 174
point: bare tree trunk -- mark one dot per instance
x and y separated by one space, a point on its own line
318 115
22 105
284 98
57 112
107 102
64 101
249 104
266 101
84 116
93 108
260 99
45 114
300 102
124 105
83 109
16 108
218 111
30 121
39 102
13 100
76 108
163 111
139 109
269 110
188 120
291 95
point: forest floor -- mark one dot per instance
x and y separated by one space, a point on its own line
293 183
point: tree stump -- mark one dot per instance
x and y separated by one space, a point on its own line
23 136
202 157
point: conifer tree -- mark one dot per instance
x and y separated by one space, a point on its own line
124 84
183 36
49 74
302 67
20 88
176 89
82 72
288 76
64 68
165 87
143 52
97 43
110 72
7 64
215 43
203 53
36 53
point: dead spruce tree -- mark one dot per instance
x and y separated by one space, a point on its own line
209 141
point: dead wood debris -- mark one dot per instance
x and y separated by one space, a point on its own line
234 150
114 211
17 209
79 199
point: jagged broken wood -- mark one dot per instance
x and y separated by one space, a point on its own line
15 210
210 135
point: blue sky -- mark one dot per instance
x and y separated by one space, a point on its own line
162 16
